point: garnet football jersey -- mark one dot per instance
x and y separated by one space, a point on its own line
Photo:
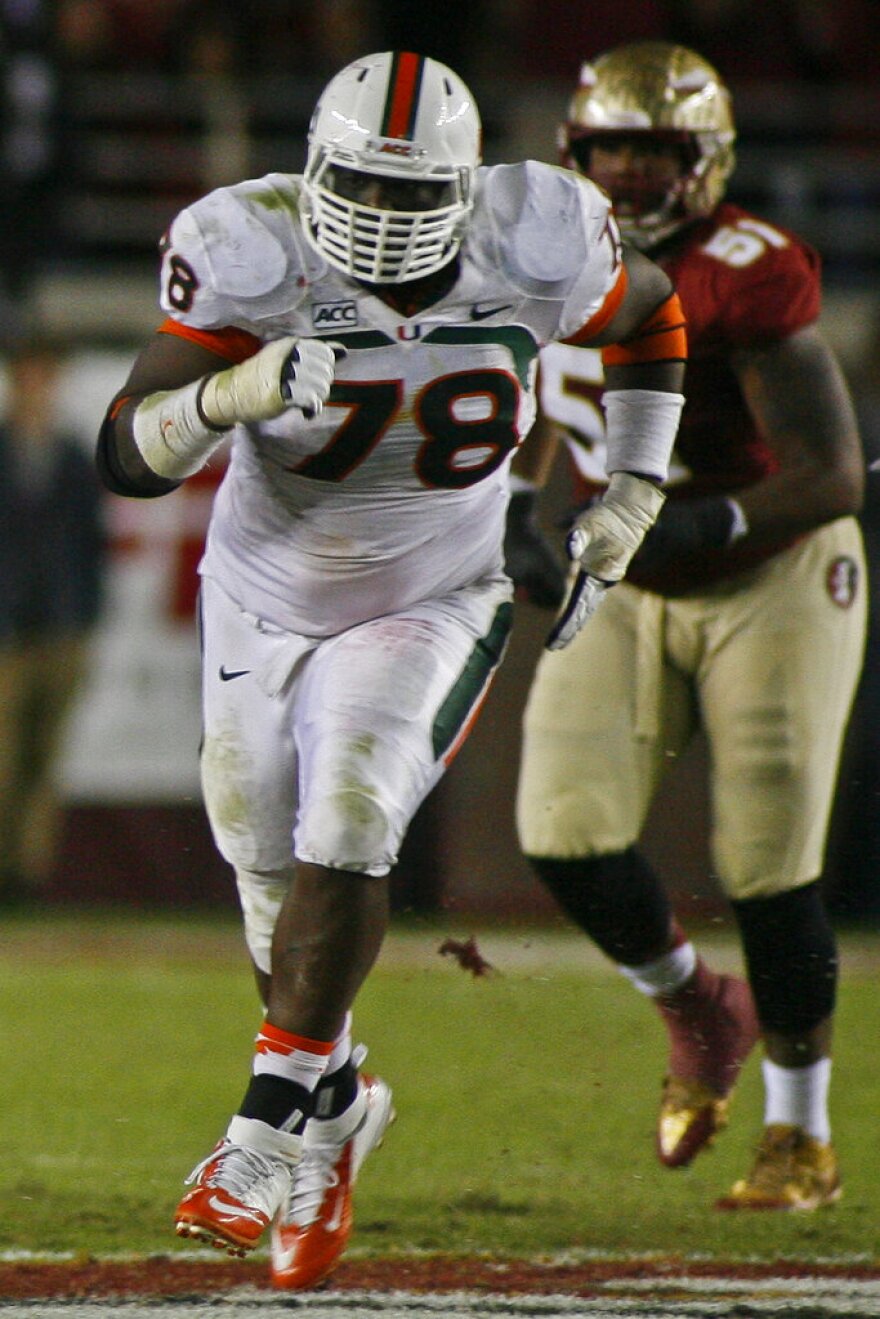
742 283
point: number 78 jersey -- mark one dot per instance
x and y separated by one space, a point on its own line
397 491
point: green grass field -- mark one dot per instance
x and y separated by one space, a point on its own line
526 1099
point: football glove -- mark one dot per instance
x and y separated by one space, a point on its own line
603 539
689 526
584 599
529 560
606 534
289 372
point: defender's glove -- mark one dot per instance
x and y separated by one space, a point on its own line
688 526
603 539
529 560
289 372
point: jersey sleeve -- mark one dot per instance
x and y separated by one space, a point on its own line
226 261
779 294
601 283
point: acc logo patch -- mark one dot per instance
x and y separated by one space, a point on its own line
394 146
333 315
842 580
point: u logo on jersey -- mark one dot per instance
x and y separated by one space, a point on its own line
334 315
407 332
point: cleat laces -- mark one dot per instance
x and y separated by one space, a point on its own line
244 1174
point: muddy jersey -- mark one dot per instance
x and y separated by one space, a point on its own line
397 491
742 283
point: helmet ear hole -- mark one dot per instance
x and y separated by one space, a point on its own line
668 92
412 124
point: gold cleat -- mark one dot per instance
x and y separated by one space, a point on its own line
712 1027
791 1171
691 1115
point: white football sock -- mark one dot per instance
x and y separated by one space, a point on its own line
292 1057
341 1047
665 975
798 1097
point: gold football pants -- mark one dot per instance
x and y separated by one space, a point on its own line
767 664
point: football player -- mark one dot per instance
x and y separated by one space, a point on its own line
367 333
743 613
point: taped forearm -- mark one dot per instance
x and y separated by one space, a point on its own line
177 430
640 430
172 434
642 422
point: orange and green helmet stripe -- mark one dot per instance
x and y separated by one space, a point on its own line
402 101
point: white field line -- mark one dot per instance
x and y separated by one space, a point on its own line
664 1297
244 1304
806 1286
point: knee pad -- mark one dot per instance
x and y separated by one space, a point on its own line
261 894
347 829
791 955
616 899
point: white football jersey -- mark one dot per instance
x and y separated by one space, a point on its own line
397 491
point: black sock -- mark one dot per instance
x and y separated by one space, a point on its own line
279 1103
336 1091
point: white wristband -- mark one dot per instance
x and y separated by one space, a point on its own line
520 485
171 434
640 430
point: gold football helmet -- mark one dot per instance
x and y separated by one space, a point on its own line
677 100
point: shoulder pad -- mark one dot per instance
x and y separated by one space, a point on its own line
243 256
244 245
538 223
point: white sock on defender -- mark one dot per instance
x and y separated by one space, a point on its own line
665 975
798 1097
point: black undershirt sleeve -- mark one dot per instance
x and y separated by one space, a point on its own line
115 479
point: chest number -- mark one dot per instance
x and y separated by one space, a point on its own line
459 448
744 242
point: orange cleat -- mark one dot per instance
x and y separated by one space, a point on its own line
312 1229
238 1188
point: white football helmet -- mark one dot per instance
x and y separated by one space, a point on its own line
672 96
403 119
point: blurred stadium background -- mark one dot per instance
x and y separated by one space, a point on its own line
115 113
